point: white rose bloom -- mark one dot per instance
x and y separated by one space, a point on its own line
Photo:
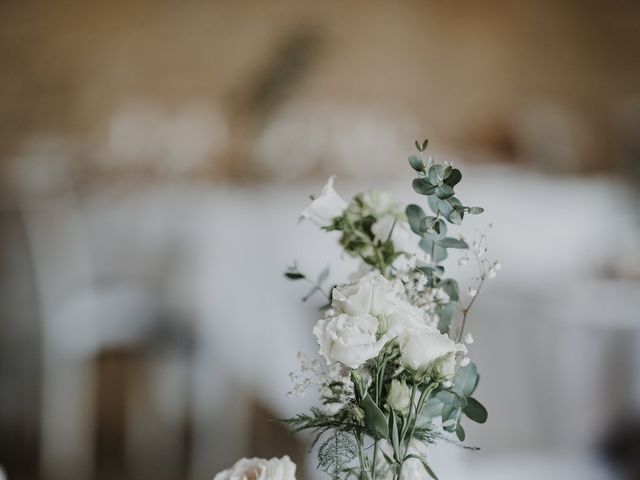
375 295
260 469
428 348
369 313
348 339
399 397
326 206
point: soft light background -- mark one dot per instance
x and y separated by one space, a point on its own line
155 156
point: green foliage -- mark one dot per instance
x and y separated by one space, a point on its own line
416 163
445 315
475 411
367 417
422 146
466 380
336 452
424 464
374 419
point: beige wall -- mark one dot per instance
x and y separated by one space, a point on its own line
473 73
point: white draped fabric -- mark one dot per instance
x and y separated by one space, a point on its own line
556 337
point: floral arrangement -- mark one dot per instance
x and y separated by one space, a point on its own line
398 376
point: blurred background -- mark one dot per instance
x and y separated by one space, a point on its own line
155 156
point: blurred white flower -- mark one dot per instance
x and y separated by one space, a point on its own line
379 204
260 469
402 236
325 207
468 339
429 350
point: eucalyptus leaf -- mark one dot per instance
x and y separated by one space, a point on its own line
453 178
432 200
422 147
445 315
450 286
460 432
444 191
416 163
294 275
450 242
449 397
466 379
455 217
432 408
374 419
415 215
434 227
476 210
436 174
475 410
439 253
445 207
423 186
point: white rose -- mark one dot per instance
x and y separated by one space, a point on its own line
445 367
348 339
375 295
399 397
428 349
260 469
368 313
326 206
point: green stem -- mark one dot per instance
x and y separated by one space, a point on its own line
364 473
465 311
423 398
378 391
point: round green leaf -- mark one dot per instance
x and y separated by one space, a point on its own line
453 178
415 216
466 379
444 191
416 163
475 411
436 174
423 186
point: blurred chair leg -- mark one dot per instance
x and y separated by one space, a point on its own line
66 436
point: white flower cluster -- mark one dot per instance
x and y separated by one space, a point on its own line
373 311
391 221
487 269
422 296
335 385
